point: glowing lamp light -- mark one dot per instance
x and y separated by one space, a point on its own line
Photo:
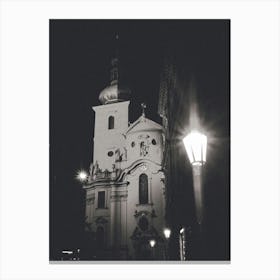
195 144
152 243
67 252
82 176
167 233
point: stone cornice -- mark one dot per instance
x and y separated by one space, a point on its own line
135 165
104 184
129 170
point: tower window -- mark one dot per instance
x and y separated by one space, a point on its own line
143 189
101 199
111 122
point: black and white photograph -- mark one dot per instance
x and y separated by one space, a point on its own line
139 140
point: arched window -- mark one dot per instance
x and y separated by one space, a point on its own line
111 122
143 189
100 237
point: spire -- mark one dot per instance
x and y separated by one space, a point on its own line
114 92
115 65
114 72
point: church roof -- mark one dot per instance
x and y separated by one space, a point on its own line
109 94
143 124
114 92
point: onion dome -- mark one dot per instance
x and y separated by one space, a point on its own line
109 94
114 93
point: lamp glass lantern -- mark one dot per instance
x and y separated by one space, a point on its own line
152 243
167 233
195 144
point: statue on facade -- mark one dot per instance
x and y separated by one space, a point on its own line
96 168
144 149
91 170
121 154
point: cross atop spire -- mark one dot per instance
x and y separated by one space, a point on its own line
143 105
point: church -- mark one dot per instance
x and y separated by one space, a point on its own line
125 189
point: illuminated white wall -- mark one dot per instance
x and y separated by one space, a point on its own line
141 144
106 140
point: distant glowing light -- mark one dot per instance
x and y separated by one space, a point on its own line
167 233
182 230
152 243
195 144
82 175
67 252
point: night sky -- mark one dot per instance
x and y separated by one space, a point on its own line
80 54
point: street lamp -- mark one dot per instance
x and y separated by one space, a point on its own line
196 144
82 175
152 244
182 244
167 233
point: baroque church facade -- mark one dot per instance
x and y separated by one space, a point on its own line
125 190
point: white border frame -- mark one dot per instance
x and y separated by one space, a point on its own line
254 139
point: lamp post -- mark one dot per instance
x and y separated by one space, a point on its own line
182 244
152 244
167 233
196 144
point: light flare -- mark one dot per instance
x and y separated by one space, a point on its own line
167 233
82 175
152 243
195 144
